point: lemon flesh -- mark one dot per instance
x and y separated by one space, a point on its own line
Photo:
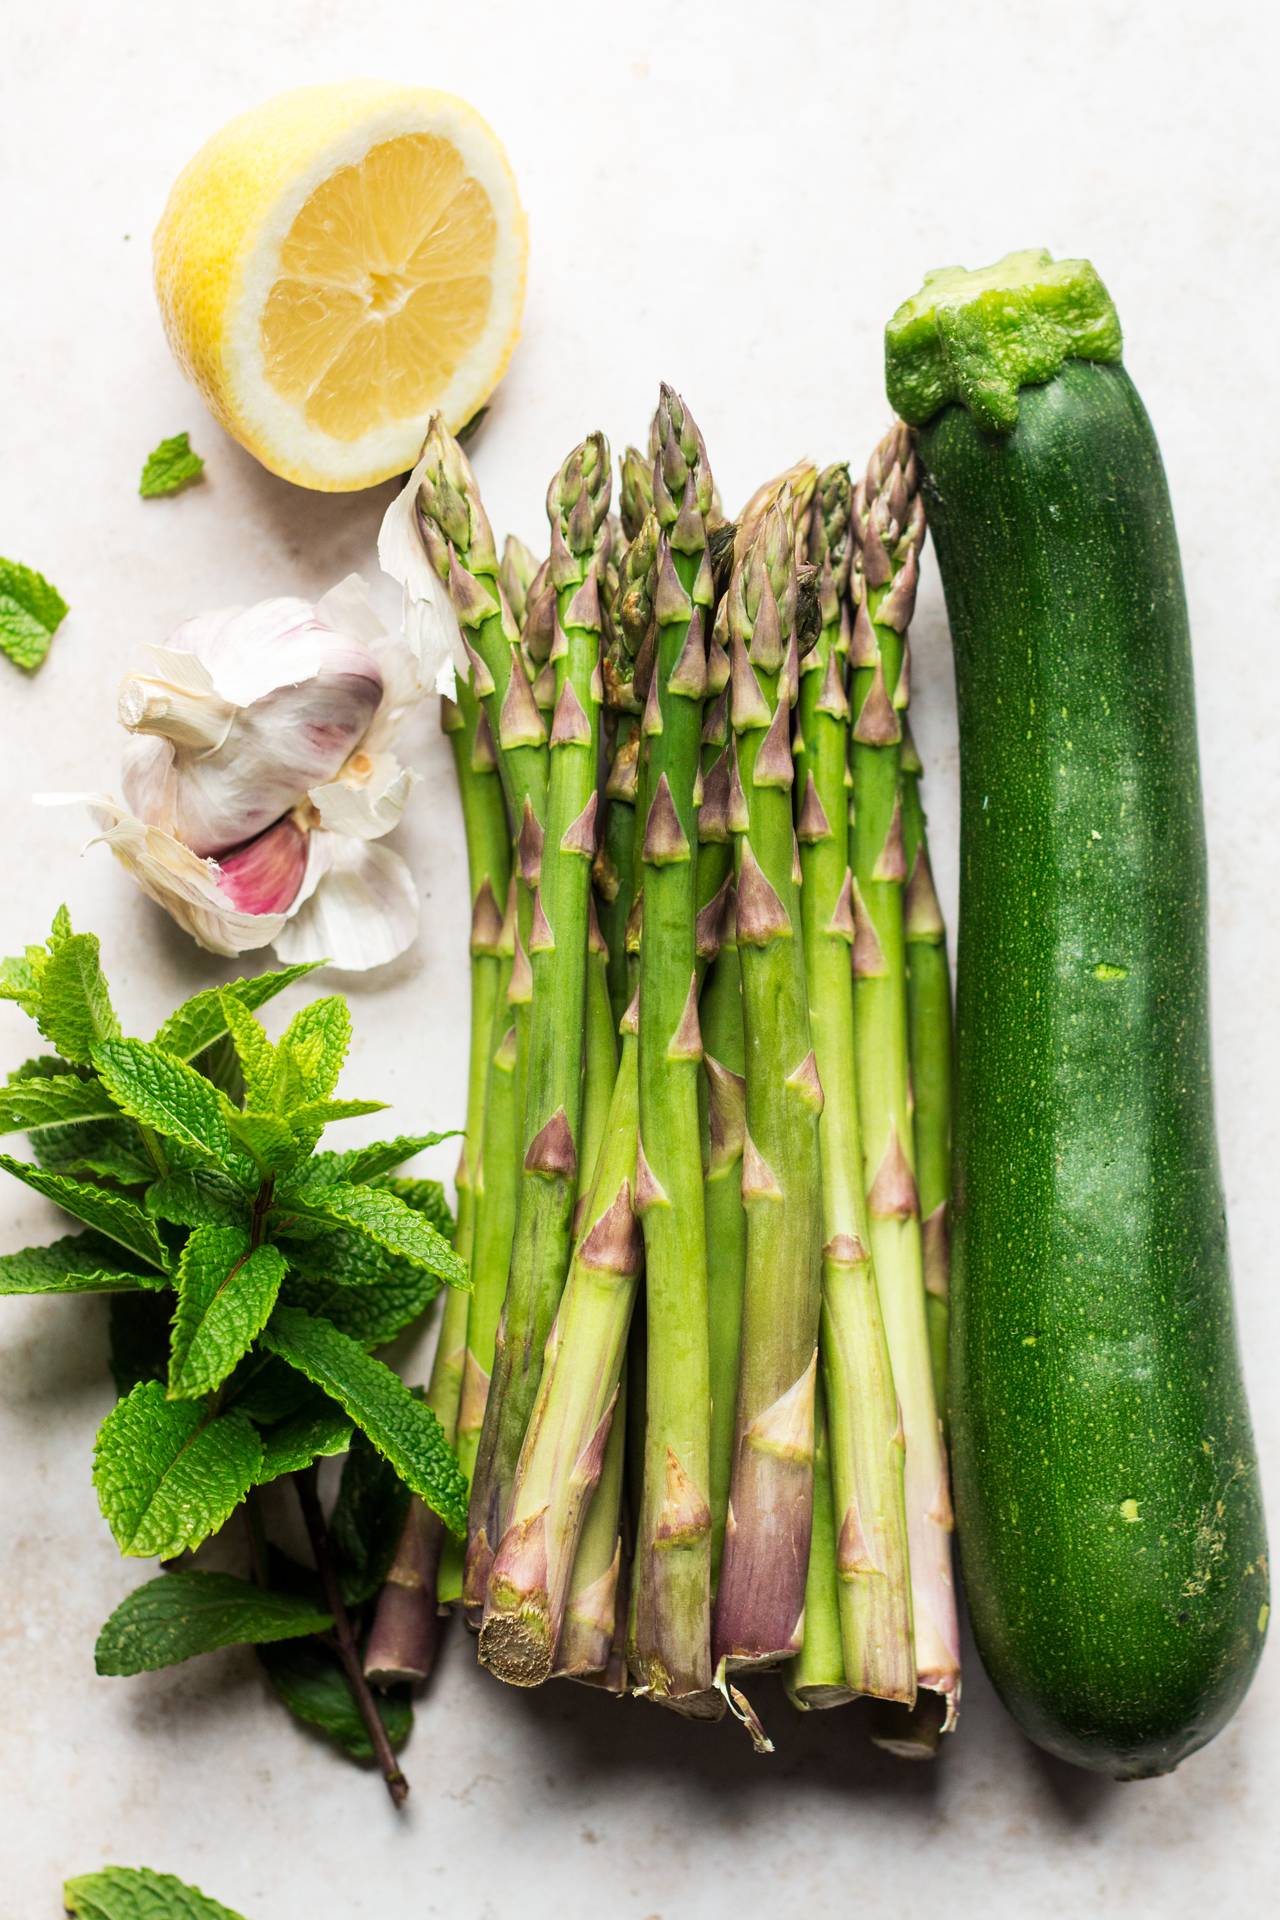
337 265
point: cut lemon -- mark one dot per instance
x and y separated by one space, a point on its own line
339 264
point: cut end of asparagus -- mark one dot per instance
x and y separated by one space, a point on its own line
405 1637
516 1648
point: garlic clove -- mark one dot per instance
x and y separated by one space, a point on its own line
358 906
368 796
265 876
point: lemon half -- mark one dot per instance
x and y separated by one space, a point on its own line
337 265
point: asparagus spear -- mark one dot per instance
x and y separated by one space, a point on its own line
588 1639
600 1061
722 1110
560 866
816 1677
760 1601
670 1647
565 1445
889 522
629 615
406 1626
866 1456
517 571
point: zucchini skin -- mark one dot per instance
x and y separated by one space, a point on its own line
1106 1484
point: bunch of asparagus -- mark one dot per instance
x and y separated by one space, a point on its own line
696 1387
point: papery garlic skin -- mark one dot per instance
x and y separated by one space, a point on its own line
430 622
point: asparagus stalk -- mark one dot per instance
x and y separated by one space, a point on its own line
670 1646
517 571
760 1602
866 1456
629 616
589 1643
929 1039
565 1446
816 1677
559 864
600 1061
723 1109
889 522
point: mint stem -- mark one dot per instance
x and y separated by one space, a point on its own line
348 1652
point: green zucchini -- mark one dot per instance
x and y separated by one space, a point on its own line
1106 1485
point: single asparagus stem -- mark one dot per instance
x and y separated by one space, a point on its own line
723 1112
614 867
577 505
816 1677
866 1456
586 1647
517 571
760 1602
628 610
889 522
600 1067
671 1649
565 1444
929 1037
344 1639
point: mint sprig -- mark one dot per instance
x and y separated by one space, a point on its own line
170 466
251 1277
31 611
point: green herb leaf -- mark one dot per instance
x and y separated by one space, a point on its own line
112 1149
268 1139
257 1055
370 1314
317 1431
31 611
170 1096
75 1010
267 1389
197 1023
135 1893
225 1295
318 1038
53 1103
197 1197
425 1197
78 1263
404 1431
167 1475
367 1518
366 1163
386 1219
186 1612
170 467
121 1219
310 1682
319 1113
19 981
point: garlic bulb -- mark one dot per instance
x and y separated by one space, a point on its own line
260 775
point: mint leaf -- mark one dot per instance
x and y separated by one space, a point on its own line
319 1113
197 1197
31 611
318 1038
310 1682
198 1022
256 1053
365 1163
370 1314
166 1094
317 1431
75 1010
121 1219
167 1475
268 1140
367 1518
385 1219
78 1263
186 1612
19 981
403 1430
112 1149
225 1294
268 1390
53 1103
135 1893
425 1197
170 467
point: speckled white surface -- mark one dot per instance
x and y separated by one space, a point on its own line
734 198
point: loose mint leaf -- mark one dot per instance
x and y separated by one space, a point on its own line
78 1263
121 1219
425 1197
53 1103
19 981
197 1023
31 611
268 1139
318 1038
365 1163
404 1431
310 1682
256 1053
170 1096
170 467
385 1219
225 1294
167 1475
135 1893
197 1197
180 1614
112 1149
140 1339
75 1006
367 1518
317 1431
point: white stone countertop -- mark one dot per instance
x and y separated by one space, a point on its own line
734 198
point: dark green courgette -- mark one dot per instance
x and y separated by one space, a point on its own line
1106 1485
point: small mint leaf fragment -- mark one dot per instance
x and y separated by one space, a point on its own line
31 611
180 1614
136 1893
170 467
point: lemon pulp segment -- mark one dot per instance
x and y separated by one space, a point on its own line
384 287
